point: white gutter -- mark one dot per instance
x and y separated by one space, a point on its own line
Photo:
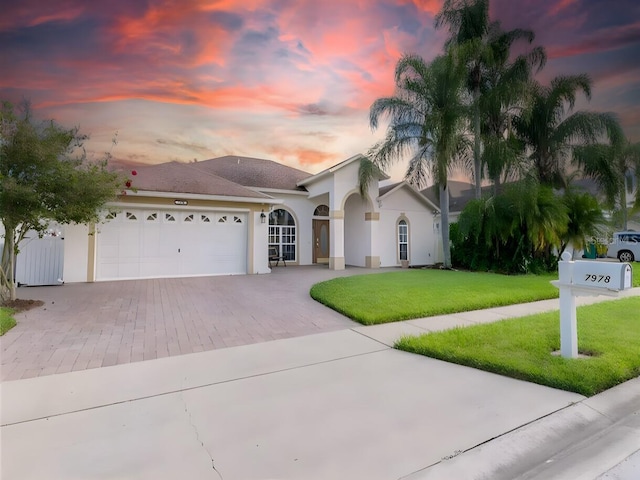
199 196
278 191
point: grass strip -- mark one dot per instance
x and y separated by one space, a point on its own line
608 332
402 295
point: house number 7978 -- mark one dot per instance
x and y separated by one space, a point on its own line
597 278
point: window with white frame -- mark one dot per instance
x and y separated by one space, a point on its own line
403 240
321 211
282 233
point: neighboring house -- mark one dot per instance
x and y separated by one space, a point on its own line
221 217
460 193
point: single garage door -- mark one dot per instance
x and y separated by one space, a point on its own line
137 243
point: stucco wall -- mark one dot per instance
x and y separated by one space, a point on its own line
422 238
302 209
356 238
76 253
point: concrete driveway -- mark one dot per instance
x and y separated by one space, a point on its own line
90 325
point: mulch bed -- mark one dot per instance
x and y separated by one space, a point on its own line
20 305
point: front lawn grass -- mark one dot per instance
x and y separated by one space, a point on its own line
7 322
521 348
394 296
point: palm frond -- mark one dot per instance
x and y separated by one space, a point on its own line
584 127
367 173
563 90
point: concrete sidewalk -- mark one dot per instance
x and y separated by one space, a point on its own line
332 405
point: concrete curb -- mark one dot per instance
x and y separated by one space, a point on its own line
581 441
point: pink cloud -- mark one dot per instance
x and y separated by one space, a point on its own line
599 41
304 156
561 5
431 6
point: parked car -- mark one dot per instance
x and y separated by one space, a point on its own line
625 246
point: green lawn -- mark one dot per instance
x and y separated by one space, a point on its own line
405 294
401 295
7 322
521 348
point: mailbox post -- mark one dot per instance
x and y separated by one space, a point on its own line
584 278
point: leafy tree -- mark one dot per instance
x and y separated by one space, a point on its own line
44 177
494 84
427 124
552 136
612 167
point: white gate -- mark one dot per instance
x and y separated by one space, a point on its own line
40 261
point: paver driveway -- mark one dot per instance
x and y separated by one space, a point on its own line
89 325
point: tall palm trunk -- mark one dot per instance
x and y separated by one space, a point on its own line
477 162
444 212
623 201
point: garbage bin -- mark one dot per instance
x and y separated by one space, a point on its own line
590 251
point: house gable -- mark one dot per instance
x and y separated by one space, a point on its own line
401 202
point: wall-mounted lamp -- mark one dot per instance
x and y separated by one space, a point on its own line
263 217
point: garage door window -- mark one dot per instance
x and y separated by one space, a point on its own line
282 233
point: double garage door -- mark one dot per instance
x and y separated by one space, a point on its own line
140 243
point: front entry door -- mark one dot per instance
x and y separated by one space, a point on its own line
321 241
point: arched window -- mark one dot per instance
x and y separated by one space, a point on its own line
403 240
321 211
282 233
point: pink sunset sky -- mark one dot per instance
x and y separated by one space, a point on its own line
287 80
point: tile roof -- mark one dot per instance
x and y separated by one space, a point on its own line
178 177
460 193
254 172
387 188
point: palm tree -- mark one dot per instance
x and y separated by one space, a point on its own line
585 219
514 228
612 168
427 123
485 50
541 219
503 96
551 136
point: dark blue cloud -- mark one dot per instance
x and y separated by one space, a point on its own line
406 17
227 20
50 40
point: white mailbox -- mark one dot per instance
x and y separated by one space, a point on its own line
584 277
606 275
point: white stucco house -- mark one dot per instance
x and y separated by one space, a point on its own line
221 217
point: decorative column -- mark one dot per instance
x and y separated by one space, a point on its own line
336 233
372 220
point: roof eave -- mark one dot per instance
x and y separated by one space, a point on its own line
335 168
200 196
